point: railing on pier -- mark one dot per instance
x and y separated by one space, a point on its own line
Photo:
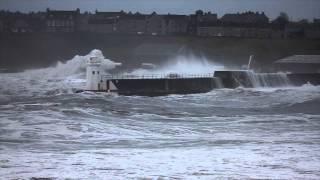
157 76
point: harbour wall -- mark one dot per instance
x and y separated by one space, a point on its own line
299 79
164 86
234 79
221 79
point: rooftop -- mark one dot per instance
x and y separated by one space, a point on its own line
248 17
301 59
109 14
61 14
175 17
100 21
134 17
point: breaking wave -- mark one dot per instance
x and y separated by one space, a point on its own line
73 67
64 77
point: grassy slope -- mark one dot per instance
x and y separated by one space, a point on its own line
39 50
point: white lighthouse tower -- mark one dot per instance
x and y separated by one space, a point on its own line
94 73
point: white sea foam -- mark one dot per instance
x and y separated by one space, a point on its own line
62 77
73 67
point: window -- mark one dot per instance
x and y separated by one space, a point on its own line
93 72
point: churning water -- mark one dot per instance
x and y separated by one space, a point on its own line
249 78
183 64
47 130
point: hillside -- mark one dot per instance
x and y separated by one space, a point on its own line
20 51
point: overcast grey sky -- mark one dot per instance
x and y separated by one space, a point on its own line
296 9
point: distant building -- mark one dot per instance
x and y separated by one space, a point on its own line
248 18
175 24
201 19
209 18
192 25
61 21
155 24
299 64
101 25
132 24
1 25
83 22
102 22
21 26
37 22
109 15
244 25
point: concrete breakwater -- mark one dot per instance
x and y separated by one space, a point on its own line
155 86
233 79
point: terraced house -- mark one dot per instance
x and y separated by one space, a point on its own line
61 21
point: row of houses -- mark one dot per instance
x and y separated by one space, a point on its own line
154 24
120 22
243 25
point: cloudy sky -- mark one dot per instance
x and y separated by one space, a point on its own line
296 9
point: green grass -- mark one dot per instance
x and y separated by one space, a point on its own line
40 50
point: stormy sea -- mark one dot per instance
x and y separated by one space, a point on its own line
49 131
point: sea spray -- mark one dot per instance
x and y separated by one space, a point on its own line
258 80
183 64
74 67
61 78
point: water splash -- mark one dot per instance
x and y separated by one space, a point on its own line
268 79
73 68
183 64
258 80
61 78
